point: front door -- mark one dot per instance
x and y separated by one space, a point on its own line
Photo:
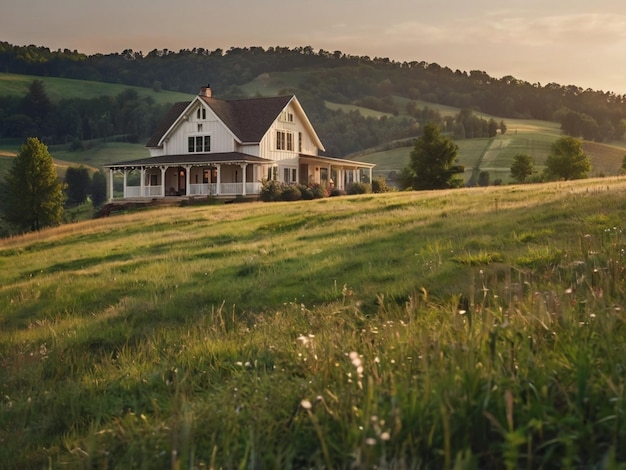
182 189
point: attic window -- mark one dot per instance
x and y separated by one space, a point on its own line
201 113
287 116
284 141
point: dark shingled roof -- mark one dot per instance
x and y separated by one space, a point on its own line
191 159
248 119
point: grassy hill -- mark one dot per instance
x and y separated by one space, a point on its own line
482 327
64 88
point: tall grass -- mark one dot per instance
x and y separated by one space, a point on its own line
358 332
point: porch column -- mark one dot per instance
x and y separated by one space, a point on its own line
187 179
125 181
219 179
163 170
142 183
371 180
110 184
243 177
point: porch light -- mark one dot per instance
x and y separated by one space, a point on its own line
182 173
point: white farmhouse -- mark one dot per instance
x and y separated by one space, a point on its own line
219 147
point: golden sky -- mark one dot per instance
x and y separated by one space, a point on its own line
569 42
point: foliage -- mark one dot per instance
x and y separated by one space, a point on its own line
359 188
98 188
483 178
271 190
431 165
379 185
34 195
567 160
77 184
522 167
297 336
75 120
290 192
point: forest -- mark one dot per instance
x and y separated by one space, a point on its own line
375 83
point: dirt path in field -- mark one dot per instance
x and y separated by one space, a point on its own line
491 154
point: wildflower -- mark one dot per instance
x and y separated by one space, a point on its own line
370 441
306 404
385 436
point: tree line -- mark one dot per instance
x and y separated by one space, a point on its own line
75 120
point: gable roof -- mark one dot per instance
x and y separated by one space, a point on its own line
247 119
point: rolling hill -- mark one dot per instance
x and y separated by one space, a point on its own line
529 136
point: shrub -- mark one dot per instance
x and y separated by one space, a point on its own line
318 191
359 188
337 192
379 185
290 192
271 190
306 193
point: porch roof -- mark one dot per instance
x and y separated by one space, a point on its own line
318 160
190 159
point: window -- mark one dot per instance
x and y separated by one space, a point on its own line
286 116
199 143
286 175
293 175
199 127
300 142
284 140
201 113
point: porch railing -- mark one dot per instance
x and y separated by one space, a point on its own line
205 189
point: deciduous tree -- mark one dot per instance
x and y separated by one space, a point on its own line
522 167
567 160
432 162
34 194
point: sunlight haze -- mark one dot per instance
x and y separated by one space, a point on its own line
566 42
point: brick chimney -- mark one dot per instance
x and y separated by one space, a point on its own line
205 91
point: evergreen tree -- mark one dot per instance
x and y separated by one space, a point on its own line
38 106
34 194
98 188
78 184
432 162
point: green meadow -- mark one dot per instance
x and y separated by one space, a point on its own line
65 88
470 328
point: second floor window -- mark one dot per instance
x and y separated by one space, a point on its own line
199 143
284 140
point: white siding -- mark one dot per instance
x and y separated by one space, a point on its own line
297 129
177 141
